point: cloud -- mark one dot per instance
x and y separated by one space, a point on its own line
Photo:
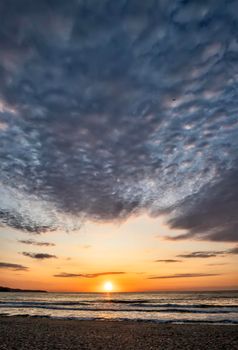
33 242
101 122
14 267
85 246
233 250
87 275
39 256
205 254
185 275
168 260
209 254
212 214
218 264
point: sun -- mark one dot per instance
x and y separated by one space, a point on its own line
108 286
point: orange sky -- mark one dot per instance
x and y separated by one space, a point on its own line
129 248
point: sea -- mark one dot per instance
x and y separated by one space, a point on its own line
189 307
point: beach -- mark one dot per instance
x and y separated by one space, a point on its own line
36 333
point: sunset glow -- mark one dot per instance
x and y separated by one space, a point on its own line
135 259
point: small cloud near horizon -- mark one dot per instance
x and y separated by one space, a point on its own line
39 256
217 264
87 275
168 260
232 250
33 242
85 246
184 275
14 267
209 254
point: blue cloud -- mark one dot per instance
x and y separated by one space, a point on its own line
109 109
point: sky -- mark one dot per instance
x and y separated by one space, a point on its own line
118 144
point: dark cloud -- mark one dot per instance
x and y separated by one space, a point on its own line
39 256
87 275
211 214
33 242
201 254
233 250
98 120
14 267
168 260
184 275
209 254
18 220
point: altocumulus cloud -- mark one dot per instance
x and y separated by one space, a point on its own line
98 120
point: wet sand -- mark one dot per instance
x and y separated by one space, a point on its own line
29 333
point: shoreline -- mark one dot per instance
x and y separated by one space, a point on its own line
29 332
98 319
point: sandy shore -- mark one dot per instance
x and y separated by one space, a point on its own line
18 333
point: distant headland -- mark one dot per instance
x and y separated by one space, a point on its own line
6 289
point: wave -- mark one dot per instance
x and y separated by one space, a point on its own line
133 303
98 309
123 319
